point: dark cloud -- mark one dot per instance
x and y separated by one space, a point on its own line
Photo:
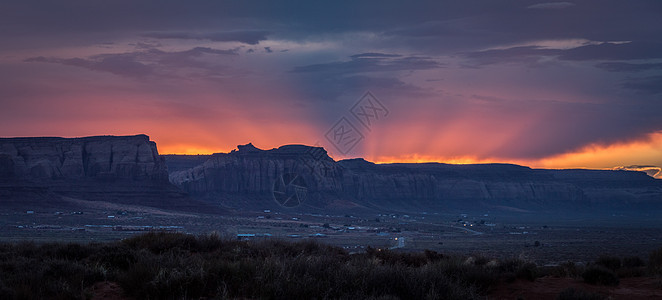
251 37
362 63
427 30
374 55
377 33
615 51
646 85
514 54
320 89
552 5
430 26
123 65
602 51
146 45
460 29
139 63
365 71
562 126
332 88
197 51
628 67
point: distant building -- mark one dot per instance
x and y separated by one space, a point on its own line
245 236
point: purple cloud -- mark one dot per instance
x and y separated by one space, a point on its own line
251 37
552 5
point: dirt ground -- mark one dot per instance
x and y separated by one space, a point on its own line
107 290
550 287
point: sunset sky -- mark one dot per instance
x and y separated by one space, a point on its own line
543 84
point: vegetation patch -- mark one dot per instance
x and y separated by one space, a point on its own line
160 265
600 275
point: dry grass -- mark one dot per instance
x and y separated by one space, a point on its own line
161 265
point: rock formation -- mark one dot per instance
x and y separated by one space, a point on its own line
250 173
103 157
247 177
128 169
123 169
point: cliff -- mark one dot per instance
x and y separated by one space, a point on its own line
442 186
122 169
249 176
103 157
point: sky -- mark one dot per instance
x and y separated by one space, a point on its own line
542 84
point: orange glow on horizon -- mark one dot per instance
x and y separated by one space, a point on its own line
646 152
417 158
189 150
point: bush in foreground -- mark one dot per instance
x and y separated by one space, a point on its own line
160 265
610 262
600 275
655 262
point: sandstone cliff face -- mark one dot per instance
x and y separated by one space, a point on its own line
252 172
102 157
442 186
123 169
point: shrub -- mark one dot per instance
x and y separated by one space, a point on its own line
210 242
655 262
633 262
433 255
5 292
135 280
567 269
481 260
160 241
517 268
631 272
598 274
610 262
395 257
160 265
48 278
481 279
633 266
528 271
118 257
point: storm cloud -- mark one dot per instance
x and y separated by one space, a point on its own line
140 63
506 80
251 37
